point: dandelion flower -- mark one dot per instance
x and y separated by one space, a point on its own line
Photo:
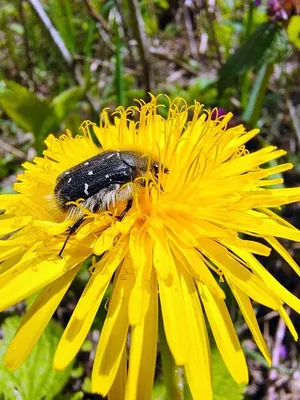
179 245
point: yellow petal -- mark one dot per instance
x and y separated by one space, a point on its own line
249 245
251 321
19 284
8 253
225 335
271 182
9 225
104 270
8 200
272 283
81 320
174 314
241 276
236 142
16 240
105 241
198 369
10 263
292 194
14 245
141 293
56 229
199 226
117 390
114 333
286 318
284 254
200 271
143 346
22 205
248 162
136 246
275 217
36 320
179 231
267 226
161 252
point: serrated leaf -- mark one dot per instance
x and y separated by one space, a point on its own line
249 55
224 387
280 48
67 100
35 379
24 107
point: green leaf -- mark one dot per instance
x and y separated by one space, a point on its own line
35 115
279 49
224 387
67 100
255 102
24 107
249 55
35 379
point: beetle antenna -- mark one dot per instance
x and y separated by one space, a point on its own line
72 229
125 211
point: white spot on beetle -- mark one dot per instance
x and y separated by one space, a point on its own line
90 173
67 172
69 180
110 156
86 186
86 163
106 176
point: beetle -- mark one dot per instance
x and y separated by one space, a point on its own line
101 182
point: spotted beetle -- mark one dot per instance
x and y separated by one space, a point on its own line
100 181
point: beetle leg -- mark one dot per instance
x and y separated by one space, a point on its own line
72 229
160 185
126 209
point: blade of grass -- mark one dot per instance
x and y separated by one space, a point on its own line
246 79
119 76
69 20
59 43
88 50
61 17
138 27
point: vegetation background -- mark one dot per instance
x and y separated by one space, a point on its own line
63 61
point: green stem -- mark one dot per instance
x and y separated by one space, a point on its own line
172 373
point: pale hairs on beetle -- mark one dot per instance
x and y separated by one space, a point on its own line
101 182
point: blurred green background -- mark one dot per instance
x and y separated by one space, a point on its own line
62 62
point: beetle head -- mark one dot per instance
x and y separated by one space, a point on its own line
157 167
